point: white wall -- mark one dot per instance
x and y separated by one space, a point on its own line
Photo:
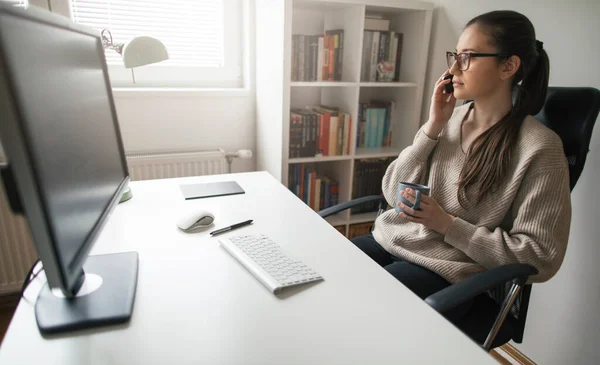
563 324
174 120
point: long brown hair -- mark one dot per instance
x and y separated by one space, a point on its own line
489 156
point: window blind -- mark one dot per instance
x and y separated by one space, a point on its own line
192 30
17 3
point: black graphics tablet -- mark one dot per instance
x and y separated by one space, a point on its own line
208 190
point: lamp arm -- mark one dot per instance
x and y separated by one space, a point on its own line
107 42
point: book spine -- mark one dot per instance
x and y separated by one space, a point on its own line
302 181
367 127
314 133
373 129
393 51
349 134
331 69
363 125
373 64
311 201
322 195
306 185
320 134
340 136
293 137
381 50
320 60
341 59
317 204
335 193
388 121
366 56
345 134
327 128
325 192
339 53
314 46
325 71
301 136
398 57
380 126
301 50
298 169
333 135
307 58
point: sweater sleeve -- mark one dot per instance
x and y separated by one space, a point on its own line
540 230
409 166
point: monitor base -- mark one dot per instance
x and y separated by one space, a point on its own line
111 303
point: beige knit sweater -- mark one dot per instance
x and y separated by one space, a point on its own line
527 220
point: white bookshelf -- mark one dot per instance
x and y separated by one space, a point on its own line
276 94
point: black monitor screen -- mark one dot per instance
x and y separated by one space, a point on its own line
64 105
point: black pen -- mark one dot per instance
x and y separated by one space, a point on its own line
230 228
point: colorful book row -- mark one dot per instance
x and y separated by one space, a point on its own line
319 131
374 128
317 191
318 57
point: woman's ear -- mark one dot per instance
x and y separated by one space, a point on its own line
510 67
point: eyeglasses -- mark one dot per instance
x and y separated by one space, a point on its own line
464 59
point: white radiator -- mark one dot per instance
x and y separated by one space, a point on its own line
17 252
149 166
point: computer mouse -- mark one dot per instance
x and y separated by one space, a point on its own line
193 220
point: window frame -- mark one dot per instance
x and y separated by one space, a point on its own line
230 76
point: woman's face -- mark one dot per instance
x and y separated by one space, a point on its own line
484 74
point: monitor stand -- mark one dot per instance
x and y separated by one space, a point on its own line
105 298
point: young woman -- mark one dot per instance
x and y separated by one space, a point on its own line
499 178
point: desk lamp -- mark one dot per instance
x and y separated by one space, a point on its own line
139 51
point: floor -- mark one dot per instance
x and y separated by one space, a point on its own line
506 355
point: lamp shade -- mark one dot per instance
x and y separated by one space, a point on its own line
142 51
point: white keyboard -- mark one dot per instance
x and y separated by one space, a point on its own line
265 260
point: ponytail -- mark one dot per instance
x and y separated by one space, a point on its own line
489 156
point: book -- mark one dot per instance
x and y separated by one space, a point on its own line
338 45
398 57
367 177
377 24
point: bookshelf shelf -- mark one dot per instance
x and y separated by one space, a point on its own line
337 219
322 84
362 217
319 159
282 27
387 84
377 152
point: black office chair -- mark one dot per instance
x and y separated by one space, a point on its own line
500 295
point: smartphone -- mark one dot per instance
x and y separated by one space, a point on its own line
448 88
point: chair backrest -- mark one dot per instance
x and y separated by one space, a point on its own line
571 112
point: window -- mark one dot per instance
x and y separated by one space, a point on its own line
203 39
17 3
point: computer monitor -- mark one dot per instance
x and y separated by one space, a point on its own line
66 165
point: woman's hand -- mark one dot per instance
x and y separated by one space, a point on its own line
430 214
442 106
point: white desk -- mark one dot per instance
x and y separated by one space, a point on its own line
196 305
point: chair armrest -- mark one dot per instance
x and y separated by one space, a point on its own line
460 292
350 204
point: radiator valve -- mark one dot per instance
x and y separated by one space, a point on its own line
243 154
